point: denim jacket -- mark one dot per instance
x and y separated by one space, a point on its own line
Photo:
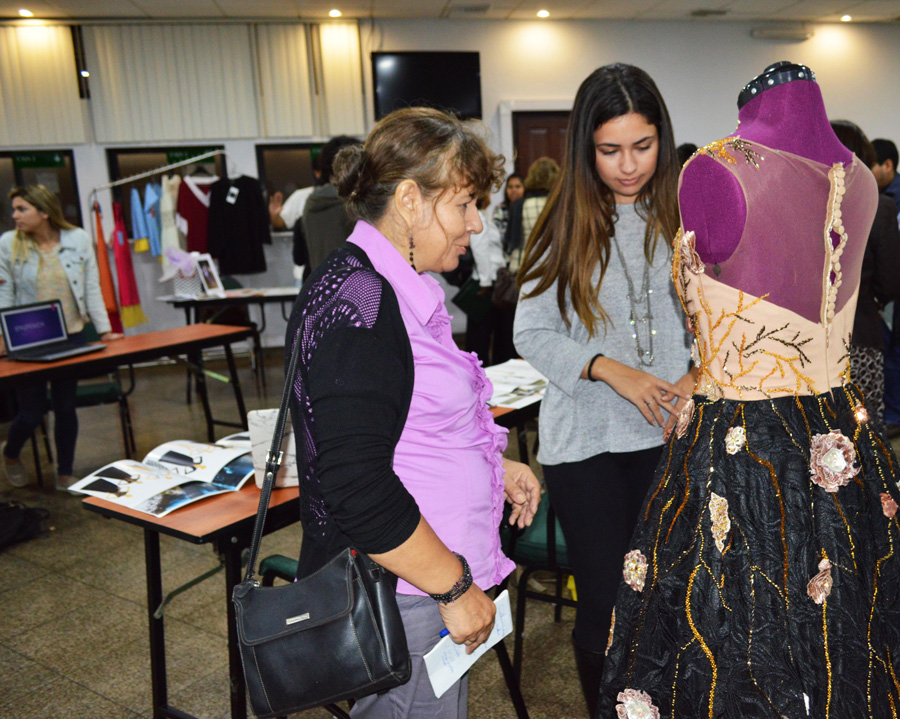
76 253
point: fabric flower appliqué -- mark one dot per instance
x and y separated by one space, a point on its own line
721 524
689 257
684 418
635 704
819 586
612 629
735 439
832 460
635 571
888 505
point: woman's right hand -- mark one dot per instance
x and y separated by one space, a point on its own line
649 394
470 619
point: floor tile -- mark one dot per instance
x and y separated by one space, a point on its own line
65 699
19 676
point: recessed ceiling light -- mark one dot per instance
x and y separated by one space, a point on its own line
85 73
846 18
335 13
26 13
543 13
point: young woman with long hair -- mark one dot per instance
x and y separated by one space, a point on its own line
599 317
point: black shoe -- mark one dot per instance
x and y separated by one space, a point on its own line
590 674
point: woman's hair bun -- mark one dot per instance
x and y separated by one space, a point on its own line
347 167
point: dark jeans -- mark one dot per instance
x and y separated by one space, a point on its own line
31 398
597 502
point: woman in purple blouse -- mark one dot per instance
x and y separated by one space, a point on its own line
398 452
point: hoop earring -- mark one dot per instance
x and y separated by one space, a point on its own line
412 246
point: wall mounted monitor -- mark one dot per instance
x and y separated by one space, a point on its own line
446 80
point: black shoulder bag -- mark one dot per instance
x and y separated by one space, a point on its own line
334 635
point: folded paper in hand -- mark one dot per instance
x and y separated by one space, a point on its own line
448 661
261 424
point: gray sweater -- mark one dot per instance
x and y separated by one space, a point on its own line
579 418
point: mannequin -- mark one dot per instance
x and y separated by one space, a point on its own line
787 116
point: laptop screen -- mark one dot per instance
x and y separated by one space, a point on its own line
33 325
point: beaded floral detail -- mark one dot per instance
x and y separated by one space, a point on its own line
832 461
819 586
888 505
833 224
684 418
635 704
635 571
612 629
721 524
720 148
689 258
861 414
735 439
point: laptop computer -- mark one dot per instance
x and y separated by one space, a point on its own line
37 333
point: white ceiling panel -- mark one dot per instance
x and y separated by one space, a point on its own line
736 10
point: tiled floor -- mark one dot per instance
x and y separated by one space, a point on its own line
73 632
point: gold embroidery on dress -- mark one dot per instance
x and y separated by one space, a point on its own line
720 148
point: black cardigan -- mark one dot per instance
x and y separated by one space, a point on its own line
348 408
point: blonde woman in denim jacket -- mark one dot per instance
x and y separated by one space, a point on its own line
46 258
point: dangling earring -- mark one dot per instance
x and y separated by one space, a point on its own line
412 246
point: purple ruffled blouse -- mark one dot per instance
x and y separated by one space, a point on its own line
449 456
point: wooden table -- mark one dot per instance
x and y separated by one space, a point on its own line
226 522
190 341
261 297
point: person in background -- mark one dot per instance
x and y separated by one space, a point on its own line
491 336
885 169
325 223
684 152
47 258
523 214
879 283
598 315
513 191
398 454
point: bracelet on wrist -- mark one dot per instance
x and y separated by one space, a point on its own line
461 587
591 366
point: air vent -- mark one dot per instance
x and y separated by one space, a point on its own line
468 9
708 13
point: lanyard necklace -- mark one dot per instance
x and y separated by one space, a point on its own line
639 303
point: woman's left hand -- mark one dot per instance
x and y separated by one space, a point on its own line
686 383
110 336
523 492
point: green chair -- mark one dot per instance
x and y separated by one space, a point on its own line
539 547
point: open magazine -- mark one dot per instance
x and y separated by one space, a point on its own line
173 475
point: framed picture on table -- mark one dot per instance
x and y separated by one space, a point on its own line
209 275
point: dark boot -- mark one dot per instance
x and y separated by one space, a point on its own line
590 674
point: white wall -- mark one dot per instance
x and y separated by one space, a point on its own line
699 66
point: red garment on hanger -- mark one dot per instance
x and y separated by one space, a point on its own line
129 299
107 287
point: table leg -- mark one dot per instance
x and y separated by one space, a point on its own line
157 629
188 322
232 556
236 383
196 359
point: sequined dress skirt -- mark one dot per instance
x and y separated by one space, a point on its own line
764 575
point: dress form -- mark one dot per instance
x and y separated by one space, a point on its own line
789 117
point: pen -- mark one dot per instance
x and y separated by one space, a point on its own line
444 633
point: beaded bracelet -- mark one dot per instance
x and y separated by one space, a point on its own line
591 366
461 587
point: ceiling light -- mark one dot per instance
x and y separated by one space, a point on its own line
26 13
846 18
543 13
85 73
335 13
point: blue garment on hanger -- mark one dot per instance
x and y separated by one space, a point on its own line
152 196
138 222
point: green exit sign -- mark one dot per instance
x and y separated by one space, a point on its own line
23 160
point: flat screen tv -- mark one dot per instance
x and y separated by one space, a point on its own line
445 80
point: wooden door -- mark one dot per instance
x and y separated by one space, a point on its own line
539 134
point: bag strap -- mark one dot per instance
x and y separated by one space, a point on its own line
273 462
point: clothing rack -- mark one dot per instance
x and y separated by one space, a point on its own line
157 171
